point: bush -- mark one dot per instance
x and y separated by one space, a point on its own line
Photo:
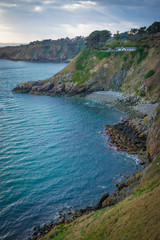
120 53
115 43
125 58
142 54
149 88
149 74
101 55
131 62
130 43
142 94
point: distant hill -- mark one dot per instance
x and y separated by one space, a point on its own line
46 50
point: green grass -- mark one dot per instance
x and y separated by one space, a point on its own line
135 218
101 55
82 59
80 77
142 55
119 53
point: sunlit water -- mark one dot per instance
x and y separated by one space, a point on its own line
52 155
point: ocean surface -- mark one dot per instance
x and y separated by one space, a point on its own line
52 155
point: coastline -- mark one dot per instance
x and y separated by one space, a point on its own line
125 187
36 60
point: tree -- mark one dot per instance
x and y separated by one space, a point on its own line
96 38
130 43
154 28
117 36
141 30
133 31
115 43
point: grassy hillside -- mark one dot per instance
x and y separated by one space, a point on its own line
46 50
137 217
137 74
134 73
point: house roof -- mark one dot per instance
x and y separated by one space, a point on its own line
126 48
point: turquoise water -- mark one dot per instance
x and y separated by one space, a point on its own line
52 155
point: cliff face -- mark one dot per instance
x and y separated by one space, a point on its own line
46 50
134 73
137 75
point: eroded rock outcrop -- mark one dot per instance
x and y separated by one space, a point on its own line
129 135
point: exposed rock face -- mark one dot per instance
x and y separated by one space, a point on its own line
58 87
46 50
85 75
153 140
129 135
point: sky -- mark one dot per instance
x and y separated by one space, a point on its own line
23 21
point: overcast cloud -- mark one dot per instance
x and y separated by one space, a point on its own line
29 20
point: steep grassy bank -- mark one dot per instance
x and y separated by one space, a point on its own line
46 50
136 74
137 217
133 73
133 218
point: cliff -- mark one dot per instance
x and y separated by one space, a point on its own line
46 50
136 75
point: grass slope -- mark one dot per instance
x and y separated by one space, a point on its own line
135 218
134 73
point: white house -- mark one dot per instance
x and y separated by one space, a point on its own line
125 48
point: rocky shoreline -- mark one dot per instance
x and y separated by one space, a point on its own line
36 60
130 135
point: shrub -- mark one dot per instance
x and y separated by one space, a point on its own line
149 73
120 53
142 94
149 88
101 55
142 54
125 58
131 62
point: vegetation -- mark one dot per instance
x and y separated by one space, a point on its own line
149 73
53 50
137 217
130 43
154 28
101 55
96 38
82 59
142 94
115 43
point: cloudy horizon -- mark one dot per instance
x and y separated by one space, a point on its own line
23 21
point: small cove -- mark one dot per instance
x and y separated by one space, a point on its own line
52 155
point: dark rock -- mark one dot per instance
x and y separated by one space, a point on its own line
121 185
61 220
35 228
99 204
141 163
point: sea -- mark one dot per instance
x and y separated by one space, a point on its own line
52 154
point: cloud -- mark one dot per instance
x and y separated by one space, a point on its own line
4 28
79 4
7 5
69 18
86 29
38 9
